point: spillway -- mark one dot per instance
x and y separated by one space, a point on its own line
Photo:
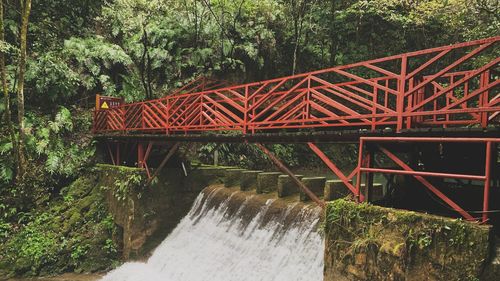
230 236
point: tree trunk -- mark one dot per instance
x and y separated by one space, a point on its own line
25 14
144 62
333 43
6 96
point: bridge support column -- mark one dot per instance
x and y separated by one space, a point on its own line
143 156
114 154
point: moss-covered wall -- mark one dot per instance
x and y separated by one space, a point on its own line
106 216
74 233
365 242
147 213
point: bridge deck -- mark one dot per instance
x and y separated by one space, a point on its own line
346 136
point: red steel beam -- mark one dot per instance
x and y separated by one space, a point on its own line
287 171
335 169
424 174
169 155
427 184
429 139
487 172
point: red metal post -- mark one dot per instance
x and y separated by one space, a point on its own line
369 176
140 155
358 175
374 108
484 97
400 100
487 174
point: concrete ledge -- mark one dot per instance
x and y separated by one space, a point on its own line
267 182
212 171
315 184
248 180
377 191
232 177
336 189
286 186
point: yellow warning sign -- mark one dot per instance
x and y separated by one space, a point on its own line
102 102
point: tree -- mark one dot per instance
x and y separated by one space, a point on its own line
5 89
298 10
23 42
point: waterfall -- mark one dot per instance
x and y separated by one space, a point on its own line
212 243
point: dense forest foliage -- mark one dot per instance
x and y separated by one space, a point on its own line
56 55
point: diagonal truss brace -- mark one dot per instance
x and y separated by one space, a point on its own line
345 179
427 184
169 155
287 171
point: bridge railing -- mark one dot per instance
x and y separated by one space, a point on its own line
454 85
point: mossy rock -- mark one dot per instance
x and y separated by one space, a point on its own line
267 182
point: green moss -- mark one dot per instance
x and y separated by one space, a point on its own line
408 242
74 233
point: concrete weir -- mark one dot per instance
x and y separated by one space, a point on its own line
230 235
266 215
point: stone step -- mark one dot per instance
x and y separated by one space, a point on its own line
232 177
315 184
336 189
267 182
212 171
377 191
248 180
286 186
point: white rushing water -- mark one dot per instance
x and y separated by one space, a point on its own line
209 245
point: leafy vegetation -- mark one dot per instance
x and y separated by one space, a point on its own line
56 55
75 233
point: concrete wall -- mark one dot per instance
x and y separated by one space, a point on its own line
362 242
365 242
147 214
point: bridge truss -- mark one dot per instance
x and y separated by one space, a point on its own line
452 88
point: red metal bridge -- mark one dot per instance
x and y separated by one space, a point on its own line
448 94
